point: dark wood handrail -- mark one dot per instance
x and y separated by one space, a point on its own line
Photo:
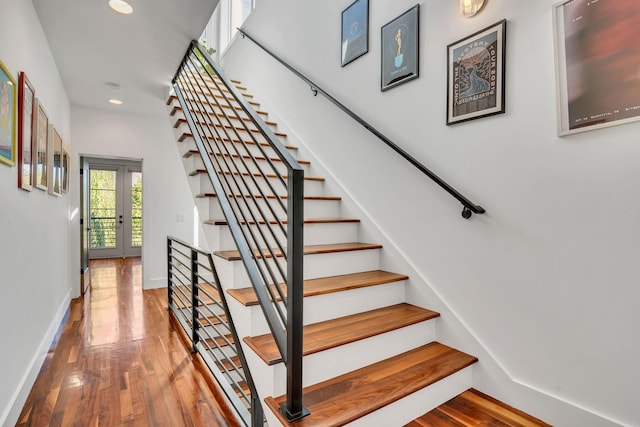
469 207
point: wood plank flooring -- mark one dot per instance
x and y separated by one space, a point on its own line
118 361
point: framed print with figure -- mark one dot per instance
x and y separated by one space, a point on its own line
26 111
55 162
41 153
355 31
400 48
8 98
475 75
597 64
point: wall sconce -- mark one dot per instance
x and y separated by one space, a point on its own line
468 8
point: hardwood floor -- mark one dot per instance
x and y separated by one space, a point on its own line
119 361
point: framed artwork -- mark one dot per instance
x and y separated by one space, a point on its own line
8 98
41 153
355 31
597 56
400 47
475 75
26 114
55 162
65 170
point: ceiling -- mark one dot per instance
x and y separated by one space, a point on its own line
94 46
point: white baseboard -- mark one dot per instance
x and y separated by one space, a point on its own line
12 412
160 282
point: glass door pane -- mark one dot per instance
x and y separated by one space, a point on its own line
136 209
103 209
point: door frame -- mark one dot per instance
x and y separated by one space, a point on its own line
132 164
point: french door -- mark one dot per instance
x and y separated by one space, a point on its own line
115 209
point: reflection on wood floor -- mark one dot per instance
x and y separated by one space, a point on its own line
119 361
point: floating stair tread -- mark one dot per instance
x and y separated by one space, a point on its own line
182 120
344 330
177 108
174 97
244 156
308 250
474 408
326 285
284 221
345 398
272 197
256 174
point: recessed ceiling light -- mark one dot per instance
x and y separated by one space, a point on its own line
121 6
115 101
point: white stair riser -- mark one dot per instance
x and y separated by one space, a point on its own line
209 208
314 266
314 234
337 361
202 184
325 307
415 405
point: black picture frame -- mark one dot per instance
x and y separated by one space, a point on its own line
400 49
476 74
354 39
26 122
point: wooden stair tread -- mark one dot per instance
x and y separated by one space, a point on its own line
177 108
284 221
344 330
244 156
474 408
326 285
271 196
308 250
348 397
174 97
256 174
182 120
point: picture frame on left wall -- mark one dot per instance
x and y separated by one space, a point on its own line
55 162
40 152
26 116
8 100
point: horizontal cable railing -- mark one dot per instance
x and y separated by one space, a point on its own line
469 208
259 187
198 303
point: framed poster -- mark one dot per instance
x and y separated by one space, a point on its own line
8 97
26 111
400 47
55 162
475 74
597 56
355 31
41 153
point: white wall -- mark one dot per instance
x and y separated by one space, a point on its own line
165 190
547 281
35 285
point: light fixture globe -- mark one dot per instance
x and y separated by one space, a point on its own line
468 8
121 6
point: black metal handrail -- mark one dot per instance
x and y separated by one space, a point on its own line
469 207
264 214
198 302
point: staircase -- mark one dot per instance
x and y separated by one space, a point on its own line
370 357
